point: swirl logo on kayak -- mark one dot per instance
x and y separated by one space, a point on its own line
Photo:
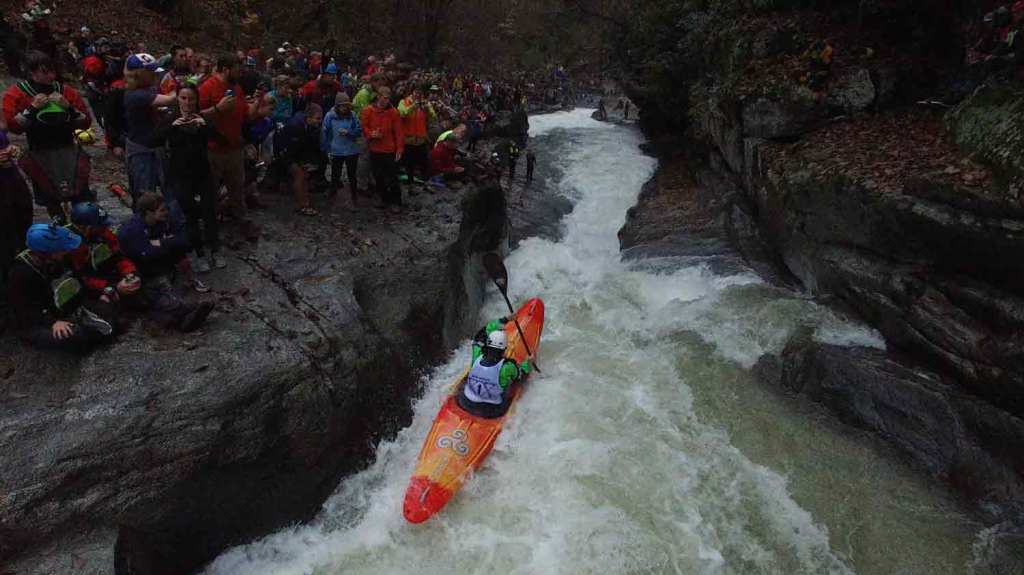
456 442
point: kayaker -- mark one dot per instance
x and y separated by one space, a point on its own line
487 391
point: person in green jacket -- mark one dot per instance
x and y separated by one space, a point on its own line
367 94
487 389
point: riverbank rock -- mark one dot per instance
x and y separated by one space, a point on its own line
169 448
953 435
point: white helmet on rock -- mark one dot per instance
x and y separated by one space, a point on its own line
497 339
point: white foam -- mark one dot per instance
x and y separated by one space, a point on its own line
605 467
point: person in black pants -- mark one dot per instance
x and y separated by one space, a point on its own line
188 177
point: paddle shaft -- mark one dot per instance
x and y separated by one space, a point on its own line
519 328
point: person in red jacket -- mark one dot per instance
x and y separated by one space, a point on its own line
442 160
48 113
105 272
382 127
224 105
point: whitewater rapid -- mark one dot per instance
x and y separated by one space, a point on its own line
645 446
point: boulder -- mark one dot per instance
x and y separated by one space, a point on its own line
852 92
174 447
966 441
990 126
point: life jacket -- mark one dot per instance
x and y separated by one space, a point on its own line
51 114
484 383
66 289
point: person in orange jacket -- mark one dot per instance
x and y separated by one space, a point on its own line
382 127
416 112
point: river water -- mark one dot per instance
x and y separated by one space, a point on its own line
645 446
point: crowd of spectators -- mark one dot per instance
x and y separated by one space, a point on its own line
200 136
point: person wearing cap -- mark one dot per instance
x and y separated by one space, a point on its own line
250 77
49 303
105 272
416 112
48 113
382 127
340 138
147 116
223 103
323 89
15 205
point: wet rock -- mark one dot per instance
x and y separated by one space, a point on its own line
853 92
176 449
785 117
989 125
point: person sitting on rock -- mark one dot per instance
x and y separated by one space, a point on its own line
48 301
106 274
443 166
487 391
156 239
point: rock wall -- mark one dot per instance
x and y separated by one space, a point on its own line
159 452
906 217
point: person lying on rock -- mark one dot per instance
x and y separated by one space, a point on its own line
487 391
156 239
49 303
105 272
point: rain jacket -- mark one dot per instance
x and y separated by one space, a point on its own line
333 142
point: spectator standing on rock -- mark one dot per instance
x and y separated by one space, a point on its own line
48 113
178 72
188 177
284 107
382 127
341 133
367 95
15 206
47 300
323 89
155 239
416 112
222 100
147 115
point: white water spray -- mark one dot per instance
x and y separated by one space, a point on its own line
645 446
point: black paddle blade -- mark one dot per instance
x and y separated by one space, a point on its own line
496 269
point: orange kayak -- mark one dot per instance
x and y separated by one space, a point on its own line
459 442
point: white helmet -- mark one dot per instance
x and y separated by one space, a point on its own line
497 339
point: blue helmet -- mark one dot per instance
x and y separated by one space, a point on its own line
89 214
50 238
332 68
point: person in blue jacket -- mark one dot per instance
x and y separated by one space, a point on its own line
157 240
340 140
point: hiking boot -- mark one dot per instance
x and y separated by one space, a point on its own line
91 321
199 286
192 320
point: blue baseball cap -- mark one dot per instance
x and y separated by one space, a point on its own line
332 68
143 62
